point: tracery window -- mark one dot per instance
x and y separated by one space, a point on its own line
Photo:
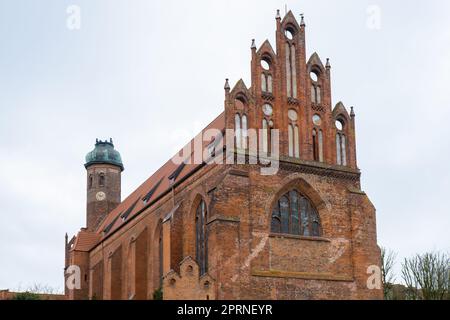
316 94
341 150
266 77
295 214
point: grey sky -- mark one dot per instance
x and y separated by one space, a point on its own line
150 75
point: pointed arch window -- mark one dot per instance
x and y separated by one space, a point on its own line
266 83
293 139
201 237
237 128
318 145
266 77
265 136
296 142
341 149
241 130
263 82
291 71
294 214
293 134
160 254
244 131
269 84
316 94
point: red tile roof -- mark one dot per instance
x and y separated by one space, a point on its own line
85 240
159 183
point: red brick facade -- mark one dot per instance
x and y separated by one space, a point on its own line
151 239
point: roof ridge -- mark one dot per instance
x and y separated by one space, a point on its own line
109 222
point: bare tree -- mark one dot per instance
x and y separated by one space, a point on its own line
387 264
42 288
427 276
36 291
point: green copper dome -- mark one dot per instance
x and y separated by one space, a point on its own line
104 153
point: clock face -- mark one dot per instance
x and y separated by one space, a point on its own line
267 109
100 196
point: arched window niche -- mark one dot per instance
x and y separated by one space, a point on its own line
101 179
341 143
201 237
266 75
295 214
316 92
290 33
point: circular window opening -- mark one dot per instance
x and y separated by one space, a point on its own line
339 125
317 120
172 282
313 76
289 34
265 64
292 114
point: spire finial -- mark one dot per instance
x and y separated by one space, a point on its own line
302 22
352 112
227 85
110 140
328 65
253 44
278 16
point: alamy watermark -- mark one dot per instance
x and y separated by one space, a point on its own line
73 21
73 281
374 280
251 146
373 21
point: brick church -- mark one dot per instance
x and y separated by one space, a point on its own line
225 229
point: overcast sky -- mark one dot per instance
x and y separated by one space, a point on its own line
150 74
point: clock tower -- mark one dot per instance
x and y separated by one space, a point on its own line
104 168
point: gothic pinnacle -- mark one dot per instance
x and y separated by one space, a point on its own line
227 85
302 22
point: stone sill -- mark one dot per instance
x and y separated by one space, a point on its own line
300 275
293 236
